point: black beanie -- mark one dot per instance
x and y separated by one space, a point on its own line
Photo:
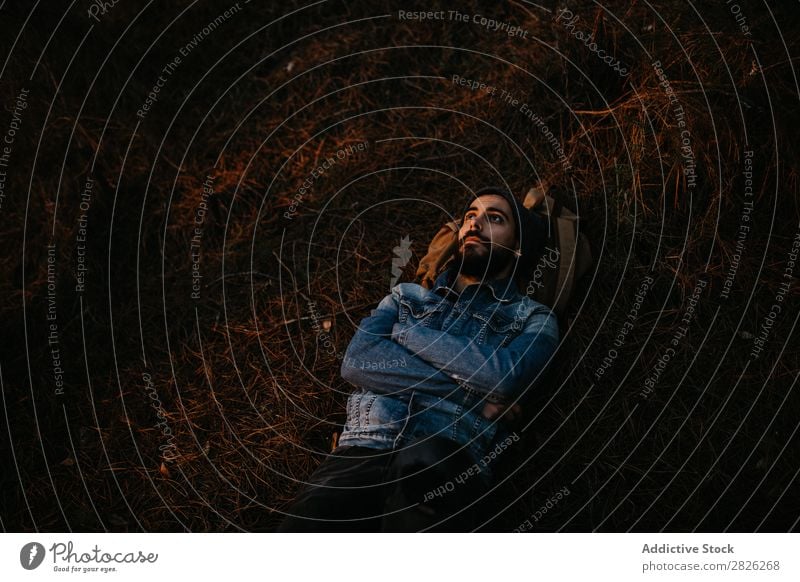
531 230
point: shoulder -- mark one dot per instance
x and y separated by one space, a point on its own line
525 305
535 316
534 307
411 291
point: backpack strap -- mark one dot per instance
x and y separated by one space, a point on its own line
574 252
567 239
539 200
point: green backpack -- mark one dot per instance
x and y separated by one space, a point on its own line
566 257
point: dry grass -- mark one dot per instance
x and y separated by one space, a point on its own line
251 395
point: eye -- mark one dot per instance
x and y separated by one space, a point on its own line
496 218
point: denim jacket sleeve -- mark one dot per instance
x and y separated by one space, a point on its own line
503 373
372 343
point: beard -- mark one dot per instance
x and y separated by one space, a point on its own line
485 262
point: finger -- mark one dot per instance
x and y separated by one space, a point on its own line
492 410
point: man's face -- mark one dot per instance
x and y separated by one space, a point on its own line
487 238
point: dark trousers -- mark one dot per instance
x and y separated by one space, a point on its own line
423 487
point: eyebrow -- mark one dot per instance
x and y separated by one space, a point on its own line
490 209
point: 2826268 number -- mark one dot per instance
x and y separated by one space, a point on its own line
756 565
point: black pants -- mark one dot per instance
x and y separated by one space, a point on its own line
420 487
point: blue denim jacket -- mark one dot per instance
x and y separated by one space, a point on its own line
426 361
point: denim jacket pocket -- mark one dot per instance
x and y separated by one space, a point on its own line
496 329
415 311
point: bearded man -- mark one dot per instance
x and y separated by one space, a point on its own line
422 439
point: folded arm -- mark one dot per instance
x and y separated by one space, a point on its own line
375 362
503 373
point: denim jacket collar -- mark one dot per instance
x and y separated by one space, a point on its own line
503 290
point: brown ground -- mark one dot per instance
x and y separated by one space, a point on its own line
244 396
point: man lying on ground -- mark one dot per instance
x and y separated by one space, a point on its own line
439 375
